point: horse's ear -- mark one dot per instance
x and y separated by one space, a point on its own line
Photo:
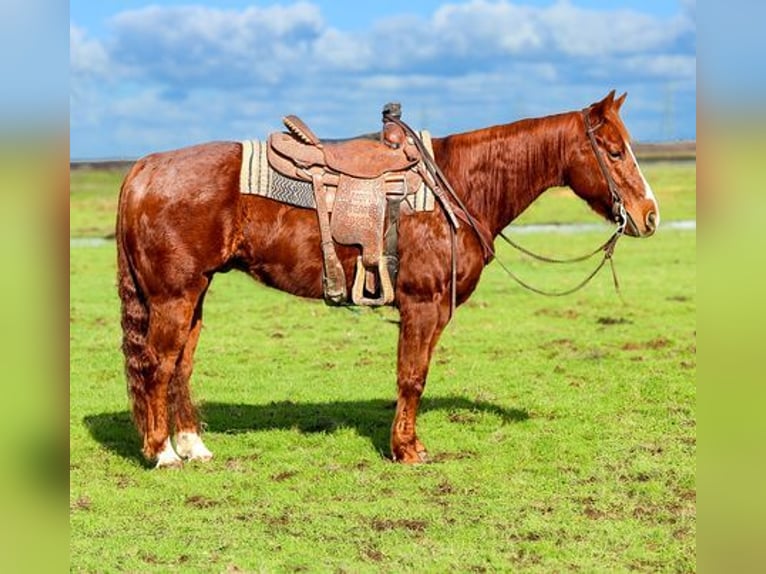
599 108
619 101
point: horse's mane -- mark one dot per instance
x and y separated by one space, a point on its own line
501 169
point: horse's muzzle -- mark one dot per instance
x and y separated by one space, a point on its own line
651 222
643 226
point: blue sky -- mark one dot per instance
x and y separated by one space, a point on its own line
146 77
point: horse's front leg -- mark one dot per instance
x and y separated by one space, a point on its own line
419 330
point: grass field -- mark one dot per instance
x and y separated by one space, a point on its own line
562 431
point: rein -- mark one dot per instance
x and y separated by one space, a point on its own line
621 217
439 184
607 247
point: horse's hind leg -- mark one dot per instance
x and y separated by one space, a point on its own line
189 445
168 333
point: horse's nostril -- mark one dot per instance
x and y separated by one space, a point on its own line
651 220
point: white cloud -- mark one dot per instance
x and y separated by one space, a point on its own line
87 57
208 72
342 51
579 32
193 46
89 70
480 26
675 67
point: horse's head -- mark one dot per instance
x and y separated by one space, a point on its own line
604 171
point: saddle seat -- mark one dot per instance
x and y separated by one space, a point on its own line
362 158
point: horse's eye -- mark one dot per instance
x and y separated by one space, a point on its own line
615 154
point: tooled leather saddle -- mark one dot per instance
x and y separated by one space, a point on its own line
357 185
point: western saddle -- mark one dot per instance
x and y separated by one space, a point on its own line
361 182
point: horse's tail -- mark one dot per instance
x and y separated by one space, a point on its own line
134 319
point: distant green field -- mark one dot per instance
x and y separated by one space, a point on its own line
93 201
562 431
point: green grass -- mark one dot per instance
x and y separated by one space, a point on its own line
562 431
93 201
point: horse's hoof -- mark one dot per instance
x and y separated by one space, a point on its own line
190 446
177 464
200 457
418 457
168 458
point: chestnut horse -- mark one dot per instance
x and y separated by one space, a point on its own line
181 219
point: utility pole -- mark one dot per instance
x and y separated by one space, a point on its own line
668 114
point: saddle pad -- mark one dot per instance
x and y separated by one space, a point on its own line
257 178
423 200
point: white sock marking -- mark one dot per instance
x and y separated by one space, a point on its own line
189 445
168 457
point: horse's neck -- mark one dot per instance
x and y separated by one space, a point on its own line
500 171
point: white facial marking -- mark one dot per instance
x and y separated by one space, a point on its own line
648 193
189 445
168 457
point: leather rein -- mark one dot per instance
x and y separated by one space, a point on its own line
446 196
621 218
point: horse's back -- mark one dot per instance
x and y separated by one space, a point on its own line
205 169
178 213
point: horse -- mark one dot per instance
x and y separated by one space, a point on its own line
181 219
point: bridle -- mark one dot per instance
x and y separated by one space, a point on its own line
621 218
443 190
620 214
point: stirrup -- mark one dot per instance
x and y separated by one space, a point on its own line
386 288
